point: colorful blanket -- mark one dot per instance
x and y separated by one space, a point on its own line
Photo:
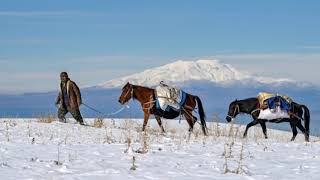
169 97
270 100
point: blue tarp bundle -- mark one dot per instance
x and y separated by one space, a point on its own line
284 105
182 102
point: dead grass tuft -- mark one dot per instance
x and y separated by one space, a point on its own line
98 123
46 119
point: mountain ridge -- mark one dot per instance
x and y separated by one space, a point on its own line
181 72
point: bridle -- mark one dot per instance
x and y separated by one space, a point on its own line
131 92
237 108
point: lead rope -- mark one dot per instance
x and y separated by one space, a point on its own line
93 109
109 114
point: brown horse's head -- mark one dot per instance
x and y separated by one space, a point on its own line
127 93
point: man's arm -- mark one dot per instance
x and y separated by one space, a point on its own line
77 92
58 99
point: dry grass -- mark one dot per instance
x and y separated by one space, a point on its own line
133 167
145 143
109 138
129 148
7 131
46 119
233 160
98 123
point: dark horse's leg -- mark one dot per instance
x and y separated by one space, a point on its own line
160 123
264 128
146 118
303 130
254 122
294 131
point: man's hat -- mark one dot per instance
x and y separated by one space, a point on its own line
65 74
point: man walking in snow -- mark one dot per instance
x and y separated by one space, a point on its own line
69 99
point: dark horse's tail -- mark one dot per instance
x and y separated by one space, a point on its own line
202 115
306 119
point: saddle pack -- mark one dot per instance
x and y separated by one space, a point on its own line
274 106
169 98
271 101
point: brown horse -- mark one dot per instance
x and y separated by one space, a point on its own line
146 97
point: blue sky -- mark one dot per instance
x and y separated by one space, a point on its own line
100 40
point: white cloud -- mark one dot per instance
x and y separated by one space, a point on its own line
270 56
47 13
298 66
312 47
30 41
89 71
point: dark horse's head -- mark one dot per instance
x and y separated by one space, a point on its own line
234 110
127 93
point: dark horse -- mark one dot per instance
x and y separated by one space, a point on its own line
251 106
146 97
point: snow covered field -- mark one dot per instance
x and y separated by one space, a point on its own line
119 150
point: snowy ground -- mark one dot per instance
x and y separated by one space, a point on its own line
34 150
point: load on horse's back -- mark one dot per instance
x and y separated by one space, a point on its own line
271 100
275 108
168 97
164 101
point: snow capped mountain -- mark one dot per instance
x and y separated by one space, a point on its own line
180 72
216 83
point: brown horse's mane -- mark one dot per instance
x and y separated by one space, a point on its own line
138 86
141 89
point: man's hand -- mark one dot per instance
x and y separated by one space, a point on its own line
57 105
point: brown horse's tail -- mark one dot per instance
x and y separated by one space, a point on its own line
202 116
306 119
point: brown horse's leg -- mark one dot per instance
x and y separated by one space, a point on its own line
145 122
189 118
160 123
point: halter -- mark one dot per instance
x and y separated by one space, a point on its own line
237 108
131 92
